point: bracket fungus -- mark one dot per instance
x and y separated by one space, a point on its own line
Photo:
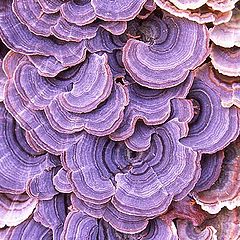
119 119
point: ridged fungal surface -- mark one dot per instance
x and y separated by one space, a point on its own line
119 119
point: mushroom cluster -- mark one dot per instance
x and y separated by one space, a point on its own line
120 119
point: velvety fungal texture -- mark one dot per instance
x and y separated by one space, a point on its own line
119 119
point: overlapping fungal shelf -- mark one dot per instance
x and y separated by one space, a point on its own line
120 119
